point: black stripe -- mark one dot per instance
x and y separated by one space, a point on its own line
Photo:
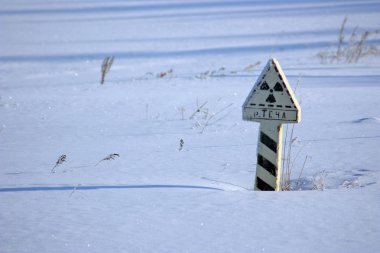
267 141
263 186
267 165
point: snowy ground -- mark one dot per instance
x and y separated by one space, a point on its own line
154 197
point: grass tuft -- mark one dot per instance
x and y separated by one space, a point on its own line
352 50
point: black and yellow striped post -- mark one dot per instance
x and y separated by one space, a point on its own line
271 102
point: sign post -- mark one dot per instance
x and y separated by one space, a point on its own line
272 103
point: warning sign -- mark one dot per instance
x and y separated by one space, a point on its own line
272 98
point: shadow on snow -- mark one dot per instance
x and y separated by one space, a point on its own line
198 9
102 187
161 54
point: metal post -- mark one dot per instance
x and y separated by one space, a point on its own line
268 166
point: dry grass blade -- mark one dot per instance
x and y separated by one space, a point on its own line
60 160
108 158
182 111
106 66
341 39
288 164
359 46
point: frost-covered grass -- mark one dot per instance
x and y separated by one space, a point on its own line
160 195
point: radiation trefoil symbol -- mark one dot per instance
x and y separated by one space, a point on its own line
277 88
272 98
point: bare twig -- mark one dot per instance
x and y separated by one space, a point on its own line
60 160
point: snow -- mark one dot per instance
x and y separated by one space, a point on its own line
155 197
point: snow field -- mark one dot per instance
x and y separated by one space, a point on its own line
155 197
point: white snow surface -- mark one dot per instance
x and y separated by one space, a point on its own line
155 197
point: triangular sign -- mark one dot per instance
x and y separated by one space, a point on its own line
272 98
